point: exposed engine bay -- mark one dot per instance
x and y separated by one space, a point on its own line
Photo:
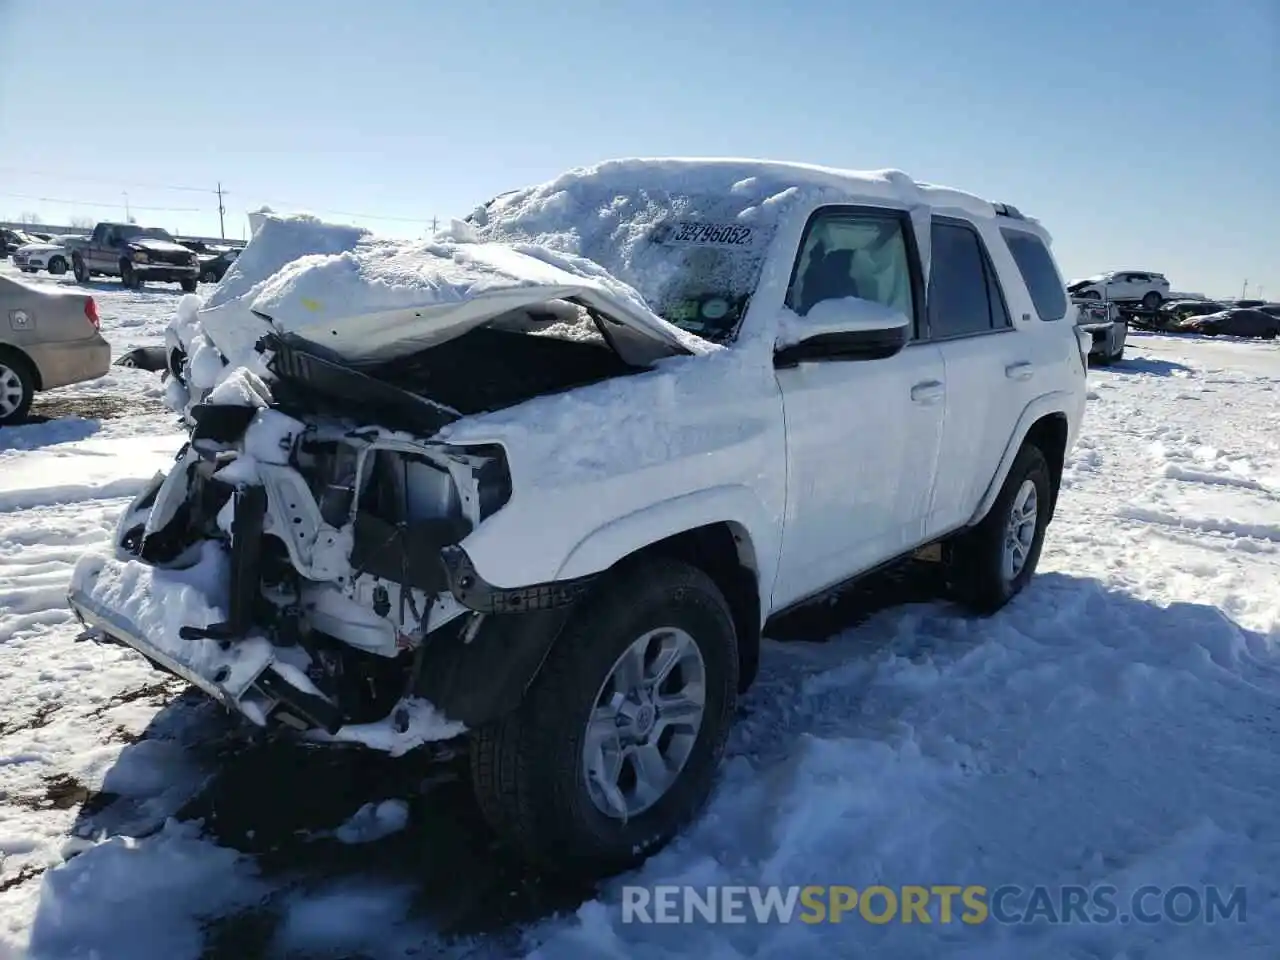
343 538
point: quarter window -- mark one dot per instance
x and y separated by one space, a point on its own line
1044 283
964 293
859 254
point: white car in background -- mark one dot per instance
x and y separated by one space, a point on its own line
51 255
1124 286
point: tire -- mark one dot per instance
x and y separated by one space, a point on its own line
188 284
1152 301
978 575
528 769
1091 295
79 269
129 276
17 387
208 277
58 266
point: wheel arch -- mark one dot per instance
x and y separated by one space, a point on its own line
724 531
1045 423
8 349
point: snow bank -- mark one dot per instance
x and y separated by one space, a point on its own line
91 469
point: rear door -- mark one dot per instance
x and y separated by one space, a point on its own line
990 367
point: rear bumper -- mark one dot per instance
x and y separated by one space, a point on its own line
73 361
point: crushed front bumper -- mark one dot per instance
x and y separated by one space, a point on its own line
133 604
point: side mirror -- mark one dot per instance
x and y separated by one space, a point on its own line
845 329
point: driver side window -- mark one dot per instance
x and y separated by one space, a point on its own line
853 253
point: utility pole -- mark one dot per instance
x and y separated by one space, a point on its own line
222 225
1244 289
434 223
125 194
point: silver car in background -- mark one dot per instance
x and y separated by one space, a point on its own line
47 339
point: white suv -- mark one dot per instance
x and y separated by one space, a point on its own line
538 484
1124 286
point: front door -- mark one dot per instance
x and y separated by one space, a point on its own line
862 435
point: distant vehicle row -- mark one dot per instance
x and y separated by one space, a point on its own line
133 253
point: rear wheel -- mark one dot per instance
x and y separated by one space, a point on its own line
58 266
1152 301
208 277
188 284
79 269
991 563
616 744
17 387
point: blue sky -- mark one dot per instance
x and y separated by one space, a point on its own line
1144 133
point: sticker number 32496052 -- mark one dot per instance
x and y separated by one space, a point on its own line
732 235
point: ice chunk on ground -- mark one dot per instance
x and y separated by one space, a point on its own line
374 821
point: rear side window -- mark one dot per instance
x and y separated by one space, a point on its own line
1048 292
964 295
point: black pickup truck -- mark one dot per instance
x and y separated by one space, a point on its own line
136 255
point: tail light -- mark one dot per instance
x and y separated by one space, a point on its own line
91 313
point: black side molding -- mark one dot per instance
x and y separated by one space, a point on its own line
473 592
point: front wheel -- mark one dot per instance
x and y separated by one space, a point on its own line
58 266
994 561
1152 301
617 742
188 284
129 276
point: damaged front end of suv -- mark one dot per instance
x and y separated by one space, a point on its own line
304 561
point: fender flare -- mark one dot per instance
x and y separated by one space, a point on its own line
1055 402
733 504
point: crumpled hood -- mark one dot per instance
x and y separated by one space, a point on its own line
154 245
384 300
39 248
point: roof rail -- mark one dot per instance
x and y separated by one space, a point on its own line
1008 210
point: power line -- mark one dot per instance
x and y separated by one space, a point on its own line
104 180
217 191
87 203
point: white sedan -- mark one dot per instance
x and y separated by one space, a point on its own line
51 256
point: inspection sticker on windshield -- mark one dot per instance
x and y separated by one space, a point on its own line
713 234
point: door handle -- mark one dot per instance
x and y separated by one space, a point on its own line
930 391
1019 371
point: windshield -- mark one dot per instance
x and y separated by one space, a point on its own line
711 271
129 231
695 258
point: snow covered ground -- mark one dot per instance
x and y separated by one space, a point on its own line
1117 724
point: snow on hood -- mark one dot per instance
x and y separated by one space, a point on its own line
39 248
382 299
158 245
371 299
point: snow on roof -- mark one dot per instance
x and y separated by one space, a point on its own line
611 212
758 180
